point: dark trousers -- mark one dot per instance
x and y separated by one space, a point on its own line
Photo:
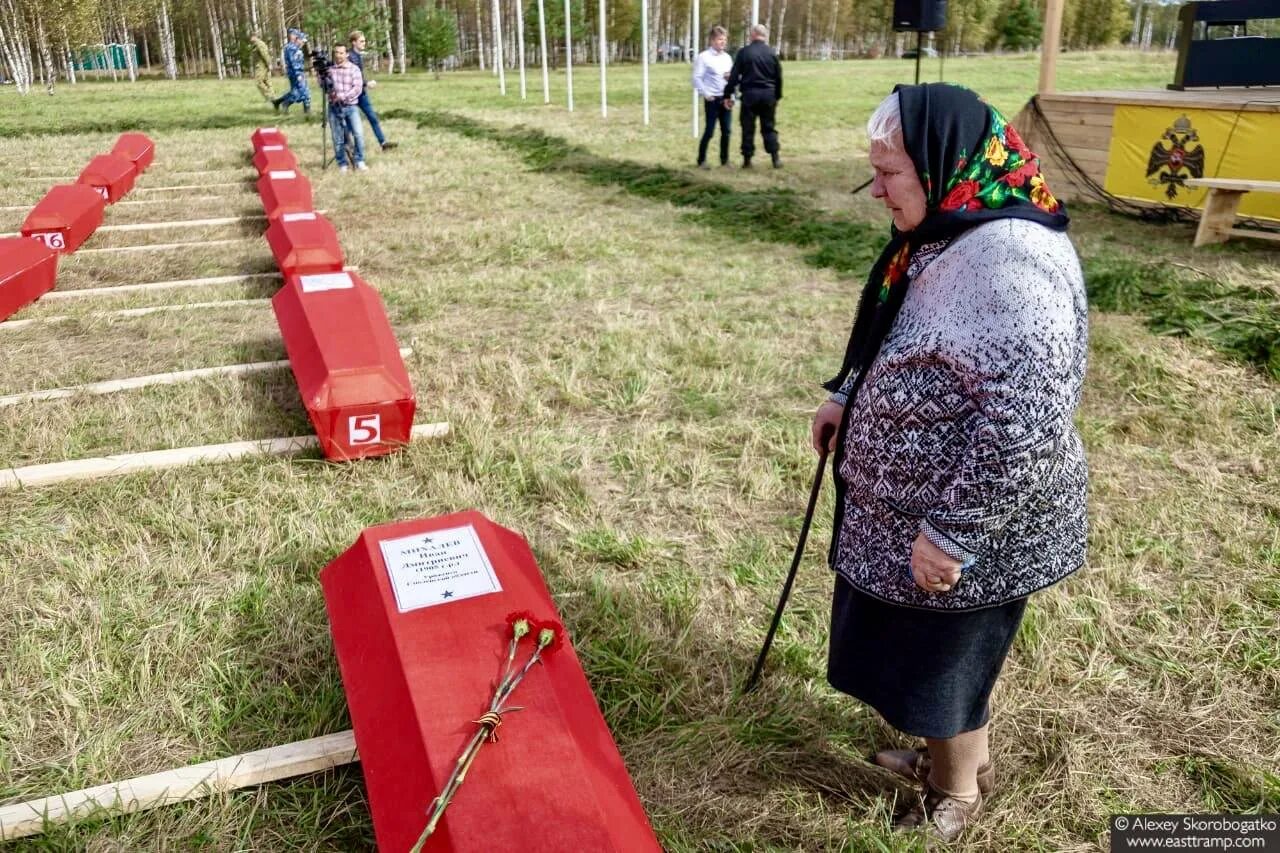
763 106
366 107
716 113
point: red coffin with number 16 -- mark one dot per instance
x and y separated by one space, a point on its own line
418 612
66 217
347 364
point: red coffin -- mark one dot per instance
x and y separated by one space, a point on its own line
66 217
347 364
111 175
416 678
304 243
285 192
274 158
136 147
264 136
28 269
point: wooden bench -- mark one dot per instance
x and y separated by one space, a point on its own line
1220 205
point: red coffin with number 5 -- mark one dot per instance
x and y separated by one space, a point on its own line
265 136
274 158
111 175
66 217
28 269
348 366
136 147
304 243
418 612
285 192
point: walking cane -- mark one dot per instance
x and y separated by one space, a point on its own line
795 563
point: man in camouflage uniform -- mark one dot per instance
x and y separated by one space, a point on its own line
295 65
261 65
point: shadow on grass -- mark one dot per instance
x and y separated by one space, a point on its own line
772 215
1240 322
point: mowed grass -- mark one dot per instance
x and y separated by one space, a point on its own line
629 373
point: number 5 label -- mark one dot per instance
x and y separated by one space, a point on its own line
53 239
364 429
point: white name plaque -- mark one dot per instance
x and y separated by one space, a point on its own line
282 174
299 217
325 281
429 569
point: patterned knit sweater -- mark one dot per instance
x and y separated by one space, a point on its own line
964 426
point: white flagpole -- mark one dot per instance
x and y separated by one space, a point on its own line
604 51
568 51
644 53
644 62
755 14
498 62
520 46
542 39
697 36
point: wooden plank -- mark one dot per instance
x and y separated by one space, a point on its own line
112 386
112 290
1245 100
247 185
157 247
185 223
1255 234
156 460
192 782
1237 184
132 312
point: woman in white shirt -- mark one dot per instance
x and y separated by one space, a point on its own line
710 71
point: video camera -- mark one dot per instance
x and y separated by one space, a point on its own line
320 65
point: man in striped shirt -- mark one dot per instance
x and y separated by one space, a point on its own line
344 116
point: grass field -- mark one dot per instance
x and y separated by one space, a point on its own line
629 352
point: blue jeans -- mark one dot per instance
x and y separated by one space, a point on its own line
344 119
367 108
298 94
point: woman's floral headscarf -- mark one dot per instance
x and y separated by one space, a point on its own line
974 168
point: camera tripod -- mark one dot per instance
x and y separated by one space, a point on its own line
347 141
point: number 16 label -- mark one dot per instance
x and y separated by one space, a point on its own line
364 429
53 239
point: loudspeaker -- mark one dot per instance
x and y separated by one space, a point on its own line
922 16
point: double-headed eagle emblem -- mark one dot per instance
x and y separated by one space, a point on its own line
1173 159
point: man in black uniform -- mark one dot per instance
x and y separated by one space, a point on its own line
758 72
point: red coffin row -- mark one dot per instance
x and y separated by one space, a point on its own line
347 364
265 136
274 158
111 175
136 147
28 269
285 192
66 217
418 615
304 243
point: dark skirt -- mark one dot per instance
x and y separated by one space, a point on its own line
929 673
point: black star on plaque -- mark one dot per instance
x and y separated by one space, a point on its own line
446 594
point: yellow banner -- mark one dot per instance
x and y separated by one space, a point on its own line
1155 149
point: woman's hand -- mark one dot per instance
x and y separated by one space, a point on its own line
825 425
934 571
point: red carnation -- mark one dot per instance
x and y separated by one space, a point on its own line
550 635
960 195
1020 175
529 620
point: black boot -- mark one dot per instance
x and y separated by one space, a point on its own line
746 162
777 161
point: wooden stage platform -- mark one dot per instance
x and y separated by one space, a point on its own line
1083 122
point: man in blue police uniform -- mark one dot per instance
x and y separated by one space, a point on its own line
295 65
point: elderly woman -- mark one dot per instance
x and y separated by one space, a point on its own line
960 478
